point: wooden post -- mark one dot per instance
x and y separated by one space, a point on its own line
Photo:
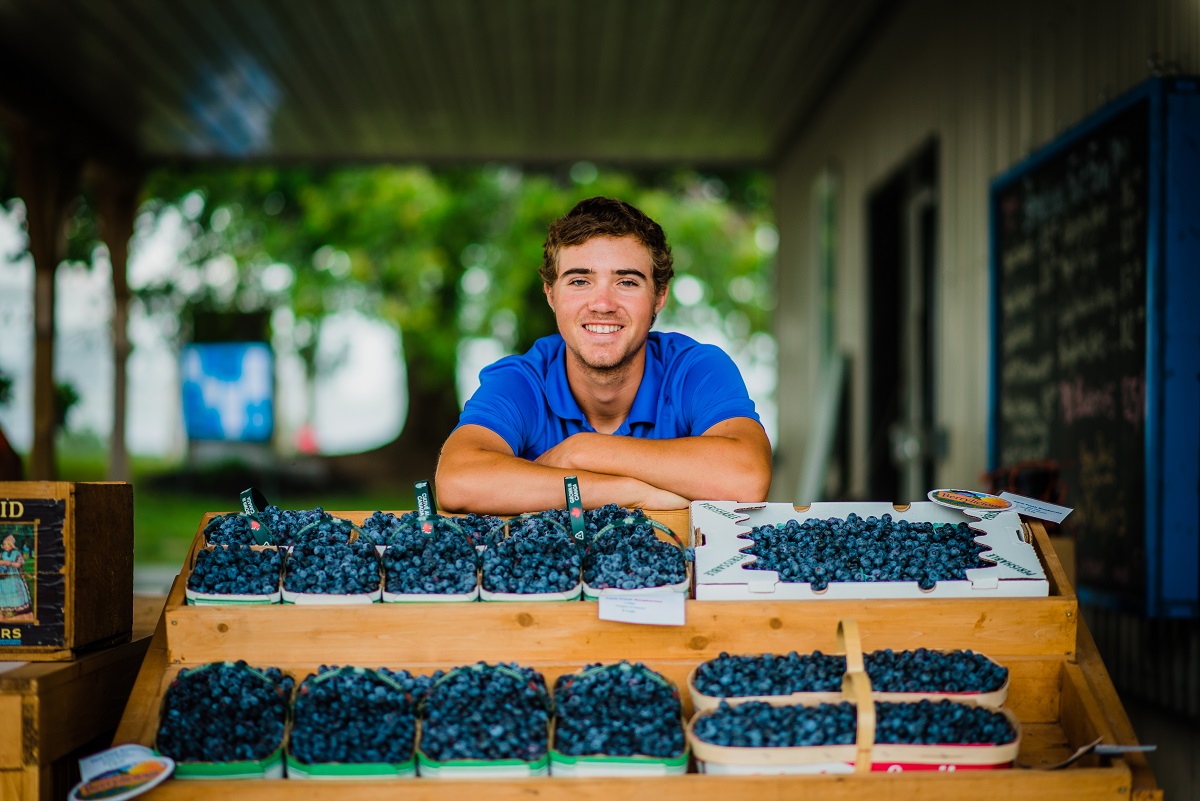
48 176
117 197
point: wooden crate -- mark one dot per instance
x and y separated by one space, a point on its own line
79 587
1061 700
53 713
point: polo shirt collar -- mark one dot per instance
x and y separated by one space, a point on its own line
645 403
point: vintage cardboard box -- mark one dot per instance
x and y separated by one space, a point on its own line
721 531
66 567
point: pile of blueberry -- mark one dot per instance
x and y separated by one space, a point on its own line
487 712
224 712
290 527
757 724
385 528
926 671
355 715
917 671
442 562
230 529
537 556
236 570
484 530
760 725
739 676
626 555
941 723
330 565
865 549
594 519
617 710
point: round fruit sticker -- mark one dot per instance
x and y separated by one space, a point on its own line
969 499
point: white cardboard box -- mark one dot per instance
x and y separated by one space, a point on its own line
721 561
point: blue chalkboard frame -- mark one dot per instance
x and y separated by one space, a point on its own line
1172 432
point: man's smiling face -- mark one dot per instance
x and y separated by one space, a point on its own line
604 301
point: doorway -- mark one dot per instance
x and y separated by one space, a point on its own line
902 219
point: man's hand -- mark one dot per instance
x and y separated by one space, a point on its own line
575 452
730 461
478 472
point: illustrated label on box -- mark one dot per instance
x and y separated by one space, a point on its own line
32 575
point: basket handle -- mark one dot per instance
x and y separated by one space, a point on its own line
849 642
857 688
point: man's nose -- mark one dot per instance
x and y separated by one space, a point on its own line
603 298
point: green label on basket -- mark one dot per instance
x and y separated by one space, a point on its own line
575 508
253 504
425 502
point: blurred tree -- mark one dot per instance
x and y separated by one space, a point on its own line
442 255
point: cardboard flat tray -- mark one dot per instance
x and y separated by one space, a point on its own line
721 533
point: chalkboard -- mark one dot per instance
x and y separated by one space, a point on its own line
1077 262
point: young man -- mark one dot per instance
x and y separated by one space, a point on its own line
644 419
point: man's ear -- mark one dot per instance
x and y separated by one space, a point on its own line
661 300
549 294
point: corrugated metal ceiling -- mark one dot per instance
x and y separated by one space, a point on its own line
706 82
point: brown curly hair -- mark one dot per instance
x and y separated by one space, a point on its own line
603 216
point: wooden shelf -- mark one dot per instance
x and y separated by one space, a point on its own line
1051 690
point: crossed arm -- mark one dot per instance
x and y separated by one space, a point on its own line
730 461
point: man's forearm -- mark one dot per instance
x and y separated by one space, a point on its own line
729 462
487 481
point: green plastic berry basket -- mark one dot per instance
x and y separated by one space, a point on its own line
269 767
586 766
296 769
591 593
612 765
572 594
272 767
349 771
433 597
194 598
430 597
331 599
483 768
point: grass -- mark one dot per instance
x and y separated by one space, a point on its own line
165 521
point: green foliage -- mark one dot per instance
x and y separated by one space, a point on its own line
397 242
65 399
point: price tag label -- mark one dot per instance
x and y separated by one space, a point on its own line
1031 507
660 609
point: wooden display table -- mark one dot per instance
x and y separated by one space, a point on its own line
52 713
1059 689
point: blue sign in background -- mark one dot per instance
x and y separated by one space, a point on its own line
228 391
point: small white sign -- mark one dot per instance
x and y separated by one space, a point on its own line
1034 508
663 609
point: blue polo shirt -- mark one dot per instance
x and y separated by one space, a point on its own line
687 388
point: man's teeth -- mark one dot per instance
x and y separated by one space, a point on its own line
603 329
